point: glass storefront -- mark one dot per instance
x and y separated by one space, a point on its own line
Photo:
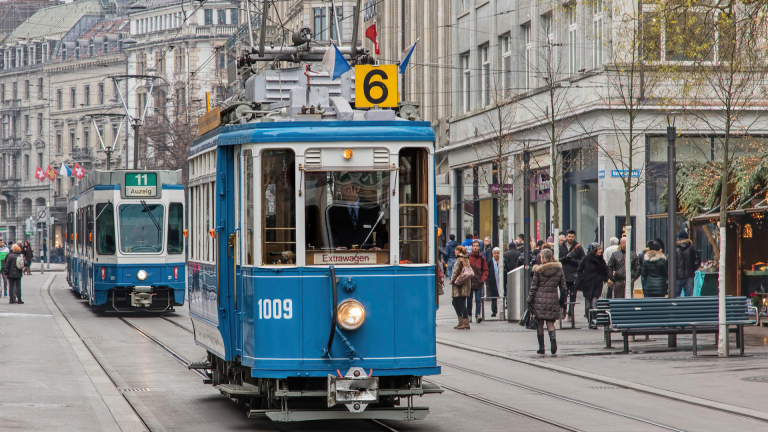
477 210
580 194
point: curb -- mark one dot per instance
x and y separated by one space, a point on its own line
120 410
680 397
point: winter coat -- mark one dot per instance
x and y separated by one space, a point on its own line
27 252
9 266
609 251
591 275
655 274
480 266
548 292
450 249
460 290
467 243
511 258
570 257
688 260
616 271
491 288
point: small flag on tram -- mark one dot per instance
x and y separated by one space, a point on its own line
371 34
51 173
405 57
78 171
40 174
65 171
334 63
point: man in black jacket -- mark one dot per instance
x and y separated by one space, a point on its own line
688 262
352 220
511 258
571 254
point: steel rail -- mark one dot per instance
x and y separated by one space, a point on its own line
186 329
557 396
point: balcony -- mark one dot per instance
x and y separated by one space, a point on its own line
81 155
10 183
10 105
221 29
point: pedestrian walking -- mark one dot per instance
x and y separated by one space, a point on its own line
492 283
688 262
450 252
3 253
60 253
614 246
461 287
54 253
480 267
571 254
616 270
28 254
655 270
591 275
547 297
487 250
467 243
13 269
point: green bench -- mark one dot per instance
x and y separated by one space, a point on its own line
686 315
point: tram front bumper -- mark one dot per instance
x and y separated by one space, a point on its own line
141 296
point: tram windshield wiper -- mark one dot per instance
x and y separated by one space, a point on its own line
151 216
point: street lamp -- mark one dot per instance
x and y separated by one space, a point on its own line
526 221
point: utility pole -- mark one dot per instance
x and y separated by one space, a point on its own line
671 218
527 221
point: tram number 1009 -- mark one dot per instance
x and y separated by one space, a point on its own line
275 309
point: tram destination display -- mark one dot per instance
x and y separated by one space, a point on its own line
140 184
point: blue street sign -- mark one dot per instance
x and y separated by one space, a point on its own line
623 173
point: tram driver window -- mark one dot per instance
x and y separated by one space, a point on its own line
141 227
278 211
105 229
347 217
413 211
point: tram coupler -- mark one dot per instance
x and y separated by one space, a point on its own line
356 389
141 296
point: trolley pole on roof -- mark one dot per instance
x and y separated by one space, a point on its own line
137 121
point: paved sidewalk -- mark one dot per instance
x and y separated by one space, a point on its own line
740 381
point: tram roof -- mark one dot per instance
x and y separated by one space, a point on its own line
316 131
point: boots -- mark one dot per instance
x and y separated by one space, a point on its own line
461 321
552 341
464 324
541 344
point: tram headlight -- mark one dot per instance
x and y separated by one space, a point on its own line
141 275
350 314
347 154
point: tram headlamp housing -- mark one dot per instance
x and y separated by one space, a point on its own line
141 275
350 314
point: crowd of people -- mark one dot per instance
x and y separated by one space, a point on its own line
473 266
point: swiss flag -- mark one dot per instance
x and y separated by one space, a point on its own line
40 174
78 171
51 173
370 33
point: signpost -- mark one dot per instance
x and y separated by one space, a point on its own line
140 184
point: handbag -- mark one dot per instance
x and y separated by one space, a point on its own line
529 320
466 274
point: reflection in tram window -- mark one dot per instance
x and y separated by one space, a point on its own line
413 211
175 227
105 229
346 213
278 210
248 198
141 228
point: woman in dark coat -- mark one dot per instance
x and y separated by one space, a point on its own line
655 269
26 250
547 296
461 292
590 277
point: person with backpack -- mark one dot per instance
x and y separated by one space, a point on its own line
13 269
480 267
461 286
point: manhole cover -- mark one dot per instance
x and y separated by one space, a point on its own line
135 389
33 405
761 378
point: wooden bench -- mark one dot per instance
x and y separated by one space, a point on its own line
686 315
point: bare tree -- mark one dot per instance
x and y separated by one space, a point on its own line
168 140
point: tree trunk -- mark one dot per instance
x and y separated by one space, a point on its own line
628 264
722 340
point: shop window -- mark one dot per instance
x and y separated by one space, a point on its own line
413 209
278 207
105 229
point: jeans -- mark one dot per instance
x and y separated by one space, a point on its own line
494 307
460 305
478 296
15 289
59 257
451 263
571 287
686 284
590 303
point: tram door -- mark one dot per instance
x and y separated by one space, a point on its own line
244 260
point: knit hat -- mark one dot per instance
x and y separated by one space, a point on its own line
593 247
682 235
550 239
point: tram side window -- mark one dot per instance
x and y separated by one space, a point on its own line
278 210
105 229
89 231
248 222
414 210
175 226
79 239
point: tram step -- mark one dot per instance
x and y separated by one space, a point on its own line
238 390
199 365
430 387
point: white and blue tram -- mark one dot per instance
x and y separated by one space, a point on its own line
312 260
125 240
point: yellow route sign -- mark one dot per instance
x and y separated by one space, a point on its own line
376 85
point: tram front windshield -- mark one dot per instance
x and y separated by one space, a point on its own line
141 228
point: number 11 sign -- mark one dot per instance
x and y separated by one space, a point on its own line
140 184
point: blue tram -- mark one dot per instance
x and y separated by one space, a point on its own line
125 240
312 260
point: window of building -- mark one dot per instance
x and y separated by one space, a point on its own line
87 95
101 93
58 142
91 49
208 15
572 43
27 87
40 124
506 63
73 96
178 60
100 135
528 40
319 23
222 15
15 90
26 166
86 137
2 92
115 132
547 28
72 138
414 206
221 60
466 83
485 67
105 46
278 208
160 61
59 99
105 229
338 15
597 33
233 17
141 63
40 159
40 88
26 124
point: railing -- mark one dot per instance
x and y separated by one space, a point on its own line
215 30
11 104
80 154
